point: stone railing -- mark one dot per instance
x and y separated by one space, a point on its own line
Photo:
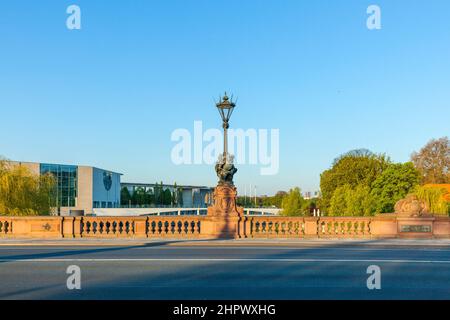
274 227
348 227
128 227
5 226
98 227
178 227
103 227
192 227
303 227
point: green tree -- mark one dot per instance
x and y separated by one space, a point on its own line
158 193
267 201
338 202
434 198
357 167
397 181
167 197
308 206
139 196
175 195
361 202
292 203
23 192
125 196
349 201
277 199
433 161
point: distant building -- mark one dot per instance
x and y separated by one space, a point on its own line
192 196
311 195
80 189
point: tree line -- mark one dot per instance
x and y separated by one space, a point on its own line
362 183
292 202
159 195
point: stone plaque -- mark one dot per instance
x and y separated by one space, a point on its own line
420 228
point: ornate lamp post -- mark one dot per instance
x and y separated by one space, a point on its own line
224 215
225 107
225 168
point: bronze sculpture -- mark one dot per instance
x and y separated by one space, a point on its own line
225 169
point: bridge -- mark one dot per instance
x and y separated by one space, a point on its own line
134 212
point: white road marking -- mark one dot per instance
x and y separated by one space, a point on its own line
224 260
81 248
302 248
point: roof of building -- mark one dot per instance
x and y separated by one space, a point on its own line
140 184
62 164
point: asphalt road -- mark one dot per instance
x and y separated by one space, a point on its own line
162 271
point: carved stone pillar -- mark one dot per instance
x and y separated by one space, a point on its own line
224 215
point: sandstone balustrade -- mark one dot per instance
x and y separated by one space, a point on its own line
192 227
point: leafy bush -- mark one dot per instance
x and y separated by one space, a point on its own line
434 198
292 203
395 183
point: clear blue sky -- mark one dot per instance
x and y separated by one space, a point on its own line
110 95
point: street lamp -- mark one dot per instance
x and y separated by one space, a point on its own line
223 216
225 107
225 168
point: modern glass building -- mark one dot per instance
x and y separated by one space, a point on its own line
66 183
80 189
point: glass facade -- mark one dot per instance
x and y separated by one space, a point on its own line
104 204
66 183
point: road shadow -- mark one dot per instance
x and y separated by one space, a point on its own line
94 249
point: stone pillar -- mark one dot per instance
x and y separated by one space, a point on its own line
384 226
77 221
222 220
311 225
140 227
68 227
441 227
